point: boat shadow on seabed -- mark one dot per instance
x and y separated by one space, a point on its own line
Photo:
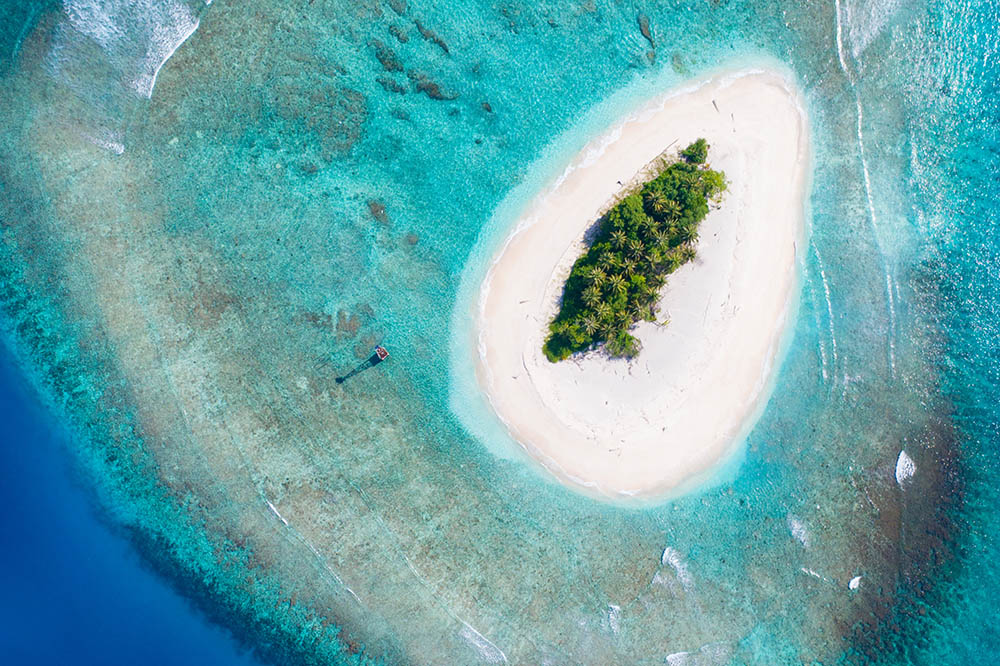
378 355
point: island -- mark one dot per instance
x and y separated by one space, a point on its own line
649 233
665 421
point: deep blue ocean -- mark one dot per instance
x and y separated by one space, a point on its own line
207 210
74 591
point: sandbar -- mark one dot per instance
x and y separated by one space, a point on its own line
653 425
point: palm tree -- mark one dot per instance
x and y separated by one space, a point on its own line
687 253
607 260
591 296
663 206
629 266
688 234
671 210
656 200
640 311
653 258
597 276
635 248
608 329
617 284
618 238
590 324
603 311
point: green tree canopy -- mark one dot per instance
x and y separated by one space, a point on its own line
640 240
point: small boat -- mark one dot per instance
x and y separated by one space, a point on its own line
379 354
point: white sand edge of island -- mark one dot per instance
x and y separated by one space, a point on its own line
650 426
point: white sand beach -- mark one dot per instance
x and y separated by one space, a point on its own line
648 426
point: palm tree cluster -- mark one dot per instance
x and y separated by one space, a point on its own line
641 240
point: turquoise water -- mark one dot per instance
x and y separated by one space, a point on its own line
305 179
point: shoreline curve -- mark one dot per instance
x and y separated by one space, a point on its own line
654 425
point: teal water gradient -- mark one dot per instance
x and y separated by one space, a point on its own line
176 269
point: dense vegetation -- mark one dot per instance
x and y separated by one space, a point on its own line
642 239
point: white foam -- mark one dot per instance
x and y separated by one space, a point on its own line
840 41
869 198
490 653
670 583
109 141
798 530
905 468
274 510
329 569
876 18
94 19
815 574
673 558
829 308
709 654
175 25
136 37
867 20
855 583
614 615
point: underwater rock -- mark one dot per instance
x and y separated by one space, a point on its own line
422 83
645 30
430 36
319 117
398 33
390 61
411 239
511 24
391 85
377 210
211 301
320 320
677 62
487 108
363 349
347 327
398 6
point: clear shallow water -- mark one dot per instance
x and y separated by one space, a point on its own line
173 299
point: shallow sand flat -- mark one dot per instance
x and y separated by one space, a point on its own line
647 426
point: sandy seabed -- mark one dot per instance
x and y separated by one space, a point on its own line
658 423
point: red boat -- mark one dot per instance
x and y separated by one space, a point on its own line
380 355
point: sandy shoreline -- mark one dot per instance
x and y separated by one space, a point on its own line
647 427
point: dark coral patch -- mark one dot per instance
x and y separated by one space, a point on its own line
431 36
423 83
